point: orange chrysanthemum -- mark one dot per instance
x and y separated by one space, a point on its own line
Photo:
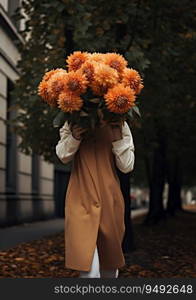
75 60
43 87
43 92
96 56
69 102
88 70
115 61
99 89
57 84
104 78
48 74
119 99
139 88
76 82
132 78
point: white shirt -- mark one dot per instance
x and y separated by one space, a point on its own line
123 149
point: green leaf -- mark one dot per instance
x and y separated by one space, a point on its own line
130 114
59 119
136 110
94 100
92 123
83 113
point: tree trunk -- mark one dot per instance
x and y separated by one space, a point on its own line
174 202
157 182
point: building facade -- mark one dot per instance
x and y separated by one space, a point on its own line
27 190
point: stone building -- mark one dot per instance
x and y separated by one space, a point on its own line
29 186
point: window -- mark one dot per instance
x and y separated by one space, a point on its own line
12 6
35 174
11 147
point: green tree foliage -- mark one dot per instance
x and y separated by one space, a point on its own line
157 38
54 30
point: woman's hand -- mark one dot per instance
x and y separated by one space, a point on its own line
77 131
116 128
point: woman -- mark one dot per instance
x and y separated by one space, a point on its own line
94 205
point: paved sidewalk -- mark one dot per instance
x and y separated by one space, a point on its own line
26 232
11 236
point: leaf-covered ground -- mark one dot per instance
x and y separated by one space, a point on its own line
165 250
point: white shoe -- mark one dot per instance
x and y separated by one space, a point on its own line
90 274
117 273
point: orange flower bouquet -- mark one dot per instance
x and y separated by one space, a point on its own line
92 82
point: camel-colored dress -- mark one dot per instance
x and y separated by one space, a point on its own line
94 204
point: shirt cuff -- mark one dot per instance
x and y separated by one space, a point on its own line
74 141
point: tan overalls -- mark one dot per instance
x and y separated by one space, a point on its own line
94 206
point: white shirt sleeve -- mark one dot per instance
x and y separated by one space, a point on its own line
67 146
123 150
